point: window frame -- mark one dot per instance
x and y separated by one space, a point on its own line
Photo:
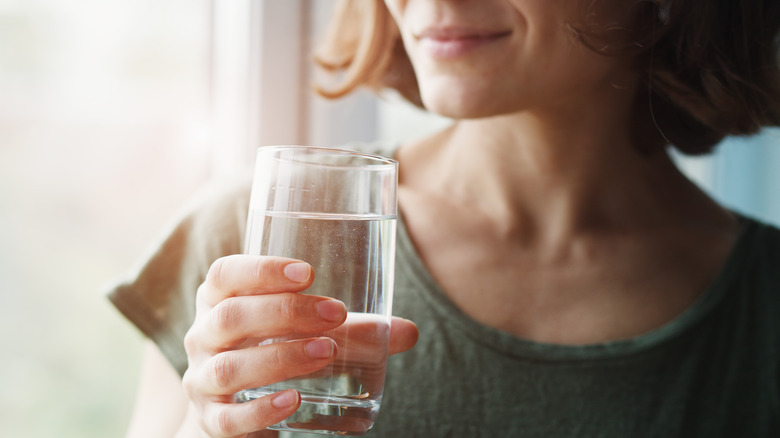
261 75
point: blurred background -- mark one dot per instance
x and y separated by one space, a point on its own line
103 131
112 112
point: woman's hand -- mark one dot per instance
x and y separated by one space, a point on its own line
244 300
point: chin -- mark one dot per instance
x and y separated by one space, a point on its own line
462 101
454 107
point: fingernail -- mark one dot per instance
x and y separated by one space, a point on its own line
298 272
285 399
319 348
331 310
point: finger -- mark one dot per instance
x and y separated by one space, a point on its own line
366 336
232 371
403 335
235 419
238 318
242 274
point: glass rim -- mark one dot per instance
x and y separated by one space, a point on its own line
382 161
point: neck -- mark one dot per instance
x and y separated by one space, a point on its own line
534 179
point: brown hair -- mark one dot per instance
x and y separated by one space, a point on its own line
711 67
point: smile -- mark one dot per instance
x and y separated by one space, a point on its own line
449 43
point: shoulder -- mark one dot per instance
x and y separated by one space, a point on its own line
224 202
209 225
158 294
758 253
220 207
220 202
219 199
768 236
763 241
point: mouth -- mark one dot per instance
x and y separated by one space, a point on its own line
454 42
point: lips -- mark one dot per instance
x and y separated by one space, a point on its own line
453 42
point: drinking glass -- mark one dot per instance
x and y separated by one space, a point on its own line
336 210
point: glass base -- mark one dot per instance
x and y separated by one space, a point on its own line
324 415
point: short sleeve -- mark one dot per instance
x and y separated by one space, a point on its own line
159 296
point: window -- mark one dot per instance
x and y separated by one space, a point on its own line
742 175
102 109
262 82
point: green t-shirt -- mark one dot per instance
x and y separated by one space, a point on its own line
714 371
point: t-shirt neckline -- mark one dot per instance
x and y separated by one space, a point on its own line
512 345
509 344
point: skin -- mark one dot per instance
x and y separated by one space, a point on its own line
565 232
534 212
244 297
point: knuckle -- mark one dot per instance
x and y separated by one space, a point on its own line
202 292
227 315
260 268
288 306
258 417
187 383
221 371
278 357
190 341
224 424
216 271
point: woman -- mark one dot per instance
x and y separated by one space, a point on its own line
565 278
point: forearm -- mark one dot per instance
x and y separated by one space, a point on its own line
160 405
189 427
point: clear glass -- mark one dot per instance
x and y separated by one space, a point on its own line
337 210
